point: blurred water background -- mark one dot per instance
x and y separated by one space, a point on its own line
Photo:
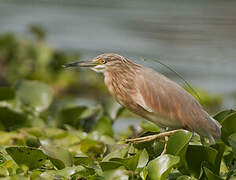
196 38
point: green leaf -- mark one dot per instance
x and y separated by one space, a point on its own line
228 127
196 155
221 115
92 147
59 156
118 151
7 93
177 145
31 157
178 141
109 165
154 148
104 126
185 178
149 126
220 147
71 116
11 119
210 175
82 160
130 163
34 94
143 159
232 142
159 168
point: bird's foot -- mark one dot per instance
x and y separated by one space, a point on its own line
151 137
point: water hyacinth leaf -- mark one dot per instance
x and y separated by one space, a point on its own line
118 151
31 157
68 172
220 116
220 147
232 142
71 116
7 93
185 178
177 145
3 172
143 159
109 165
196 155
92 147
154 148
149 126
11 119
35 94
104 126
210 175
144 173
178 141
159 168
59 156
228 127
115 174
82 160
130 163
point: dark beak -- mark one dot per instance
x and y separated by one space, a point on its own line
81 64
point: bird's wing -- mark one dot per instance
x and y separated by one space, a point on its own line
158 94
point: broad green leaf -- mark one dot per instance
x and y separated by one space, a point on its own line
59 156
159 168
82 160
178 141
232 142
185 178
109 165
55 133
220 147
177 145
210 175
115 174
143 159
196 155
3 172
71 116
11 119
31 157
228 127
92 147
154 148
220 116
34 94
7 93
149 126
144 173
118 151
104 126
130 163
68 172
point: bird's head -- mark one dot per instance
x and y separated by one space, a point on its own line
101 62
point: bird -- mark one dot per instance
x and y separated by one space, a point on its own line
152 96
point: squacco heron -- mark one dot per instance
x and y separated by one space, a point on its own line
152 96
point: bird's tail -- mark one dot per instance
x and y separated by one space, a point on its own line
216 133
214 130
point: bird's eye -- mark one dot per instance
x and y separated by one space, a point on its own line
103 61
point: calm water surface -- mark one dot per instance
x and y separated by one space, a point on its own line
197 38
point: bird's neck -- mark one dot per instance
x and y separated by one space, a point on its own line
120 83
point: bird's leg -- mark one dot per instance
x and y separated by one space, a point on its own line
150 138
164 150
